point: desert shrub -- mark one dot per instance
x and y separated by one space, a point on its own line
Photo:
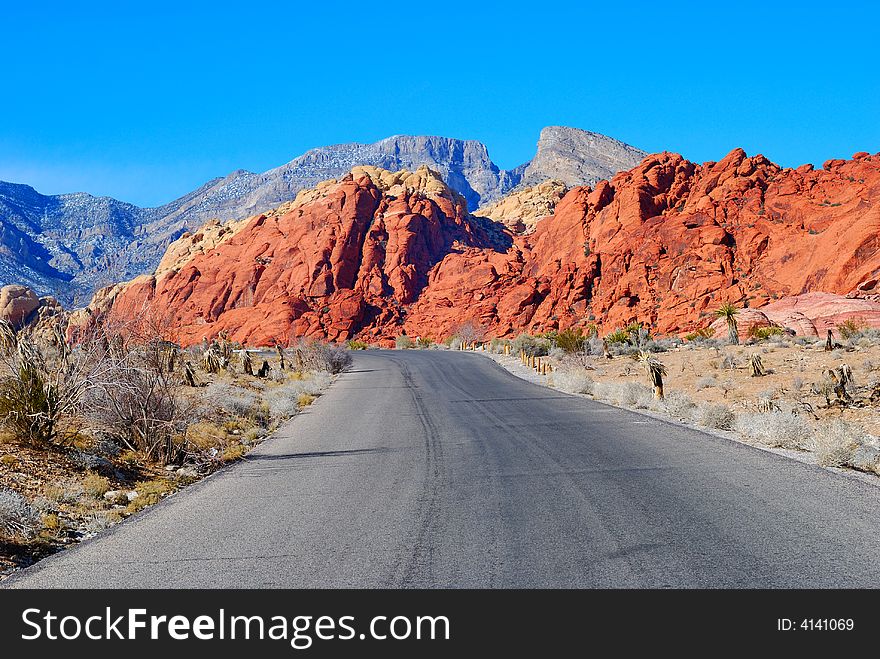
761 333
624 394
100 520
51 521
233 452
304 399
835 443
679 405
68 491
320 356
850 328
705 382
470 332
424 342
18 518
149 493
497 345
570 340
573 382
95 485
618 336
142 406
316 384
226 397
777 429
281 400
29 406
718 417
355 344
532 345
702 333
403 342
204 436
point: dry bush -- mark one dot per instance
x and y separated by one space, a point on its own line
95 485
706 381
319 356
624 394
18 518
403 342
573 382
470 332
718 417
42 383
219 397
776 429
835 443
679 405
304 399
149 493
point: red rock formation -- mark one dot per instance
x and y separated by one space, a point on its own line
824 311
664 243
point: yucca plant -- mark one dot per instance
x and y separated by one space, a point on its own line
756 366
189 376
280 351
246 363
728 312
655 370
29 406
212 359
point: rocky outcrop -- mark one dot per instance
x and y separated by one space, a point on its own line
17 303
71 245
664 243
350 254
824 311
521 210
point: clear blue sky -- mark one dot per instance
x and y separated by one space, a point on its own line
145 101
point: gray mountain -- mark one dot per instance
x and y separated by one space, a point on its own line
578 157
70 245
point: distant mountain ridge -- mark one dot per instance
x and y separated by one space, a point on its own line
69 245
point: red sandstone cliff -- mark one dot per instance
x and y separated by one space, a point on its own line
664 243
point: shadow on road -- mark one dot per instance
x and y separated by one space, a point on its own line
317 454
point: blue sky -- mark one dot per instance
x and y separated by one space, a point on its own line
145 101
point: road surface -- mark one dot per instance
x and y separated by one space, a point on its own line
440 469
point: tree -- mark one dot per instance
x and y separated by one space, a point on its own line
728 312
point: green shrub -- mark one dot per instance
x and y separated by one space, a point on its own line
531 345
403 342
29 406
702 333
355 344
572 340
618 336
764 332
850 328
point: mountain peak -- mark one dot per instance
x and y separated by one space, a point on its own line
578 157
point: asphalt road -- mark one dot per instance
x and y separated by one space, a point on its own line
439 469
